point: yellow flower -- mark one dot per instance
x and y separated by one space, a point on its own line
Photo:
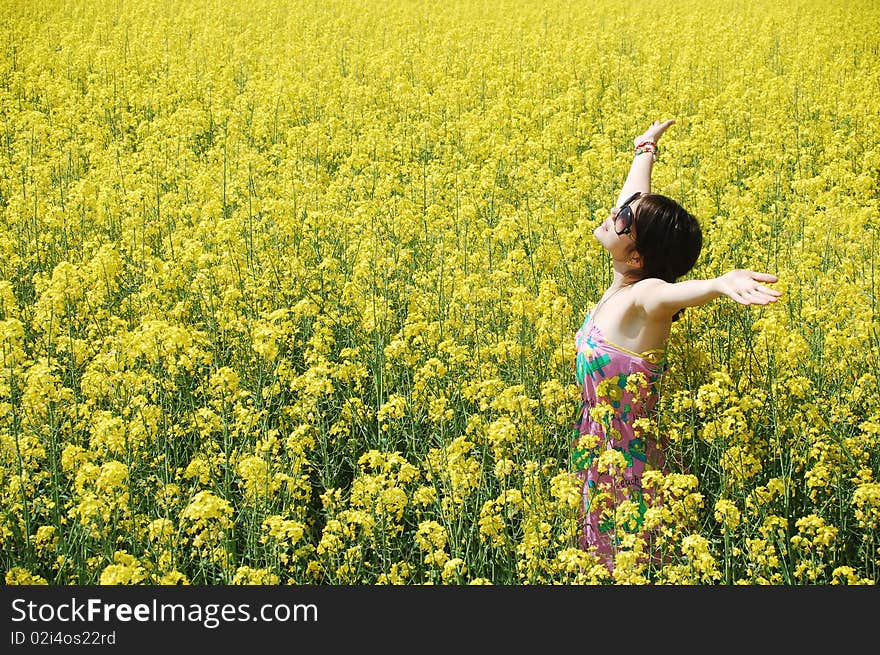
265 338
431 536
866 501
160 530
207 518
391 410
173 578
257 478
108 433
399 574
847 575
19 575
126 570
453 570
566 488
113 477
613 461
246 575
703 563
727 514
46 539
198 468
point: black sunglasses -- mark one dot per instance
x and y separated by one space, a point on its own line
624 219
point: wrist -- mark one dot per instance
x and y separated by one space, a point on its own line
646 146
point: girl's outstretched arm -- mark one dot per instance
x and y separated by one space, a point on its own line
639 176
660 298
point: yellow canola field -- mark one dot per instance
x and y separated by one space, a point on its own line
288 290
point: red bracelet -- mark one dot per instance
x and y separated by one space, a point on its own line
646 143
646 148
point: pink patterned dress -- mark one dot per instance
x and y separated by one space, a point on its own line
617 387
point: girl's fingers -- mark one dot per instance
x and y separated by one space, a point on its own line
756 295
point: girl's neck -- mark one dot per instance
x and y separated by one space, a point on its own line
622 274
620 280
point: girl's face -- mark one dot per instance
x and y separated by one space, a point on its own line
621 246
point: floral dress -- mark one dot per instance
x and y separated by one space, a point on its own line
611 448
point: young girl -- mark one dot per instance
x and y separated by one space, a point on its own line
652 241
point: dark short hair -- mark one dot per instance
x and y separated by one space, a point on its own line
668 238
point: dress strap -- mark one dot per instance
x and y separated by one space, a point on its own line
604 300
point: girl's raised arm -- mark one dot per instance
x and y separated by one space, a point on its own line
645 149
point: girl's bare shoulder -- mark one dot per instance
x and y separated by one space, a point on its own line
646 289
646 294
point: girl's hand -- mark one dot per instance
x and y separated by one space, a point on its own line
745 287
654 132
